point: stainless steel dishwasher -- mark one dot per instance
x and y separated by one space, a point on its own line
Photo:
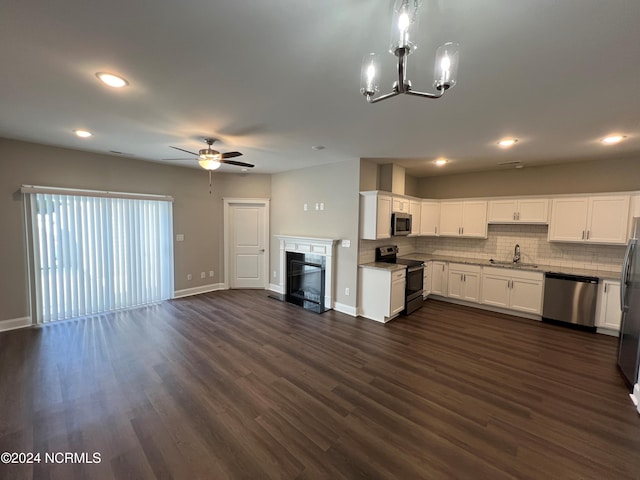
570 298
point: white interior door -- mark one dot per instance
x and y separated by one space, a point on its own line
247 235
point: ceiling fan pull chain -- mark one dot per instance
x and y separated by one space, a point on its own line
209 182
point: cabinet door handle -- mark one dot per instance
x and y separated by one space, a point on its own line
514 215
435 230
605 287
588 234
582 234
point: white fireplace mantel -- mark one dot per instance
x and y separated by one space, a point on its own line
317 246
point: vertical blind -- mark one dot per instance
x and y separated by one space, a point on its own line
94 254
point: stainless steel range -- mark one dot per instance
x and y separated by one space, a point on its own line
414 286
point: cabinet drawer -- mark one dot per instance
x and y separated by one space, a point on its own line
397 275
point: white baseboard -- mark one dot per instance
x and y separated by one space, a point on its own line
187 292
608 331
276 288
635 396
347 309
14 323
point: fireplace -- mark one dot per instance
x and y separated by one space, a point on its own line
310 282
305 280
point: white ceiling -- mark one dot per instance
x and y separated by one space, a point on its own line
273 78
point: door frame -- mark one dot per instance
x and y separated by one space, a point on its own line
227 204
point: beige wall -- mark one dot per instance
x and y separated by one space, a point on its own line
197 214
337 186
576 177
368 176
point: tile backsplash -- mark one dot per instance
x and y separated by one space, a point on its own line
500 244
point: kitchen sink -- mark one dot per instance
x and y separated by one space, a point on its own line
513 264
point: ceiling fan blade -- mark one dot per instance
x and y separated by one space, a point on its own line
239 164
183 150
231 154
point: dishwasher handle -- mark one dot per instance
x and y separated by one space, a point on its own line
572 278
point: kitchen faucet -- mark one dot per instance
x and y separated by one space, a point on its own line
516 254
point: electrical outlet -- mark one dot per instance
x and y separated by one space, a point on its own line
317 206
346 243
180 237
305 207
203 275
347 292
275 274
322 206
189 276
211 273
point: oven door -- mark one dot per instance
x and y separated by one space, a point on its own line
414 288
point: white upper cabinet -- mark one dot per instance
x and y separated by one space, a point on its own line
415 209
463 218
429 218
375 215
524 210
400 204
598 219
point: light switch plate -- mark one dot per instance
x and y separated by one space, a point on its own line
346 243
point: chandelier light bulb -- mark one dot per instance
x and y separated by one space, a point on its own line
403 25
368 79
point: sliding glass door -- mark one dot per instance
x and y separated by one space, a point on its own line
94 254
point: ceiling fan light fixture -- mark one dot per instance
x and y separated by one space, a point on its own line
209 164
209 154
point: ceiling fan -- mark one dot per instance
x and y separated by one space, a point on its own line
211 159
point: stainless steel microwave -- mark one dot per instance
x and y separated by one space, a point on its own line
400 223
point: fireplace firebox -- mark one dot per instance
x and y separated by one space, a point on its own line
306 281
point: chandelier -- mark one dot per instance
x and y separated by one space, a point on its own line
403 26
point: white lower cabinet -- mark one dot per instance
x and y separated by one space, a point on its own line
382 293
515 290
428 275
439 278
464 282
609 314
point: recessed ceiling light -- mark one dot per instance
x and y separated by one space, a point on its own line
441 161
507 142
82 133
318 147
112 80
612 139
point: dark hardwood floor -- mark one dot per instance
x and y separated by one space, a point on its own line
236 385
